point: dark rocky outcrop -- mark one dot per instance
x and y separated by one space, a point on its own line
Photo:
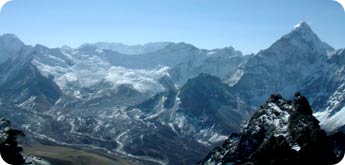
281 132
10 152
207 98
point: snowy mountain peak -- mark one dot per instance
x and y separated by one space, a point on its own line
302 25
302 34
301 39
303 31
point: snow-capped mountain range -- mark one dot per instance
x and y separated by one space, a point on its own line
148 101
129 49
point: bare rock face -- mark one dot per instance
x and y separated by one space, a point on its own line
281 132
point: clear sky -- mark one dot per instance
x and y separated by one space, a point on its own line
247 25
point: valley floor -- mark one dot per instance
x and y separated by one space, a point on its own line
70 156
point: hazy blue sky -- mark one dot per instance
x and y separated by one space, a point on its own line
247 25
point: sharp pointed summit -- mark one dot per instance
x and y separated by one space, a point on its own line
304 31
302 25
304 39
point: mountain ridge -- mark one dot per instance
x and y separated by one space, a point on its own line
100 90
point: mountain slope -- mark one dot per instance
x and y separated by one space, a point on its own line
283 67
10 46
20 81
178 114
298 61
218 62
207 98
204 108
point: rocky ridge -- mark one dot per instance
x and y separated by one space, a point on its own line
281 132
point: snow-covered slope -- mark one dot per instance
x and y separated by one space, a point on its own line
217 62
88 75
89 72
185 60
333 115
170 55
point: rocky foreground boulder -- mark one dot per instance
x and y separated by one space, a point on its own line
281 132
10 152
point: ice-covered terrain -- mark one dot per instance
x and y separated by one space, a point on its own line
92 94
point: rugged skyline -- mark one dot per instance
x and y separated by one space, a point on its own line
246 25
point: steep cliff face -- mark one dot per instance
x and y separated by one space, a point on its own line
280 132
